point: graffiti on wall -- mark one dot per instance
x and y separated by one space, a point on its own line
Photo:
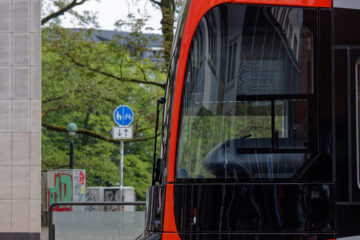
92 195
111 195
82 181
66 185
61 192
79 186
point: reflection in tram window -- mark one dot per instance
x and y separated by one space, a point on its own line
294 112
247 87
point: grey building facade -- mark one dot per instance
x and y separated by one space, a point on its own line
20 119
154 45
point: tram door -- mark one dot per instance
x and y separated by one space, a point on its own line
346 85
346 72
354 86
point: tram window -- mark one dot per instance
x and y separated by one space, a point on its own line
294 135
244 115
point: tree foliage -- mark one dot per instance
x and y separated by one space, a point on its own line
168 10
83 82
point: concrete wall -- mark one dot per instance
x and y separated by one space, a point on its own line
20 119
110 194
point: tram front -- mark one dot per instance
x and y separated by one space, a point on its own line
242 154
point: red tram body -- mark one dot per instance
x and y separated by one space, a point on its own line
260 125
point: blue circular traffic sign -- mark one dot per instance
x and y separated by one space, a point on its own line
123 116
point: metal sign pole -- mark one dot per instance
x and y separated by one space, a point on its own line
121 169
123 117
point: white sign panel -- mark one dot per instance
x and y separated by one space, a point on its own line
122 132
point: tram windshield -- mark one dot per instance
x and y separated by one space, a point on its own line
248 95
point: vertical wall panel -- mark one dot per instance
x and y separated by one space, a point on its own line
5 113
35 14
21 15
21 49
20 118
5 16
5 49
5 210
5 149
5 82
21 80
5 181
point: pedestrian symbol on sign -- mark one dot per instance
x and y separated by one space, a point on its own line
118 116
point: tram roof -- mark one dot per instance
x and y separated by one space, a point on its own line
350 4
300 3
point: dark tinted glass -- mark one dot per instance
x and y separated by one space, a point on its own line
245 105
358 121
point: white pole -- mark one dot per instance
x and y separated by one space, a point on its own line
121 168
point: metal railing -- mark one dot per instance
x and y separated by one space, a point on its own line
52 226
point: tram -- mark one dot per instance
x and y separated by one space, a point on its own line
260 127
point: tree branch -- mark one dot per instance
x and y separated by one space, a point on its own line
44 113
62 11
173 3
121 79
156 2
91 133
55 98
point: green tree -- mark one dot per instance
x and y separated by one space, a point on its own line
169 9
83 82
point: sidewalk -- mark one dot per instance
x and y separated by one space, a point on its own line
44 235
